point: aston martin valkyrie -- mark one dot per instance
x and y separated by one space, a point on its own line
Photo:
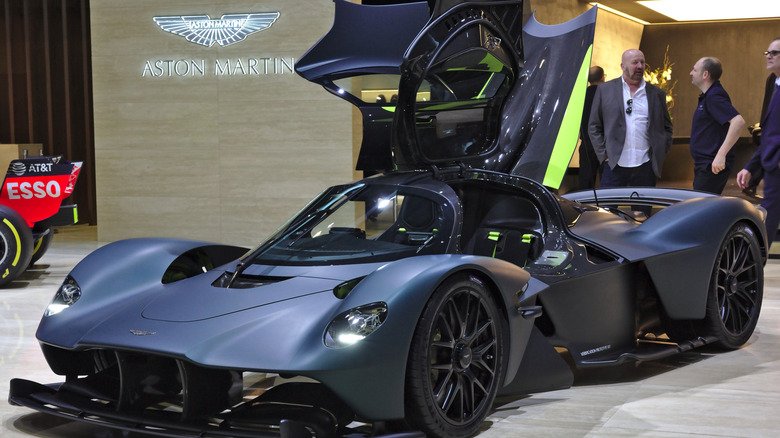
404 303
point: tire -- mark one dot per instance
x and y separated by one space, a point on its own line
736 290
456 360
41 245
15 245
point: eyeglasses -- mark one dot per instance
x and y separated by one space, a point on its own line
772 53
629 102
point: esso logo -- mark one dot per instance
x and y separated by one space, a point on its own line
37 189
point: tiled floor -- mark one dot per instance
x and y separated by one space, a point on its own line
698 394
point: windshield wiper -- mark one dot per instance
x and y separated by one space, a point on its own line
239 269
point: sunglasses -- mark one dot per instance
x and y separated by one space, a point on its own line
772 53
629 109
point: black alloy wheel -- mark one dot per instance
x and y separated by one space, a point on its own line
455 363
736 289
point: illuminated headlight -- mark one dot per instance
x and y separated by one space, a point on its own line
66 295
354 325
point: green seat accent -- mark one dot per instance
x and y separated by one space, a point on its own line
527 238
494 236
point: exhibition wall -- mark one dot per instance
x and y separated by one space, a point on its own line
221 143
45 86
738 45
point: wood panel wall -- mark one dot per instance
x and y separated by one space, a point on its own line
220 157
738 45
46 85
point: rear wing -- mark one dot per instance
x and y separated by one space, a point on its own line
35 188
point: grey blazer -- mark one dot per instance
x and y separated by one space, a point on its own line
607 124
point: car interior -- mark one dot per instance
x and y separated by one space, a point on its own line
503 225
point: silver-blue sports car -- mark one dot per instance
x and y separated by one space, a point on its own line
404 303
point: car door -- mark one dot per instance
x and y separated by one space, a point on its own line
482 89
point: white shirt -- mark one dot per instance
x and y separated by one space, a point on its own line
636 149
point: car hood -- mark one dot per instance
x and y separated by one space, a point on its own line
478 86
197 298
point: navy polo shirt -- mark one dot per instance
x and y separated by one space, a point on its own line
711 124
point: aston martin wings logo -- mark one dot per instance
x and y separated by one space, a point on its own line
231 28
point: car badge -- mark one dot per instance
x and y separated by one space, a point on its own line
492 43
203 30
142 333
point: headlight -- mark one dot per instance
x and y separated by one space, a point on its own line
66 295
354 325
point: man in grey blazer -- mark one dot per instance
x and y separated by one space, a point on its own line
630 126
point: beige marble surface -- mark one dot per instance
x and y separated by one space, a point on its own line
697 394
206 155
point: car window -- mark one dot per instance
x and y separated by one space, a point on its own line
380 89
466 92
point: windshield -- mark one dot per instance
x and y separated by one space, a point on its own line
361 224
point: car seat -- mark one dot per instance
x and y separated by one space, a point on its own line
508 231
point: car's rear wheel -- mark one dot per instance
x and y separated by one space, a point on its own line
15 245
455 363
736 289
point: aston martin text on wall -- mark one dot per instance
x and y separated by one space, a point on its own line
252 66
208 32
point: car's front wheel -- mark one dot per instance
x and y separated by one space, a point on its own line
736 289
455 362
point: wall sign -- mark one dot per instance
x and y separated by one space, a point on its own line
227 30
231 28
221 67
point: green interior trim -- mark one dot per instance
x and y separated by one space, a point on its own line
481 94
566 141
494 236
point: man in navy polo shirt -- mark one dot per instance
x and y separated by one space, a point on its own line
716 127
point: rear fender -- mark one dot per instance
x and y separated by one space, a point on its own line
689 234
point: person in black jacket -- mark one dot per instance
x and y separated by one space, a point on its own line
756 177
768 155
589 162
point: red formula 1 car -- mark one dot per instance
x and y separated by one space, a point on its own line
30 205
